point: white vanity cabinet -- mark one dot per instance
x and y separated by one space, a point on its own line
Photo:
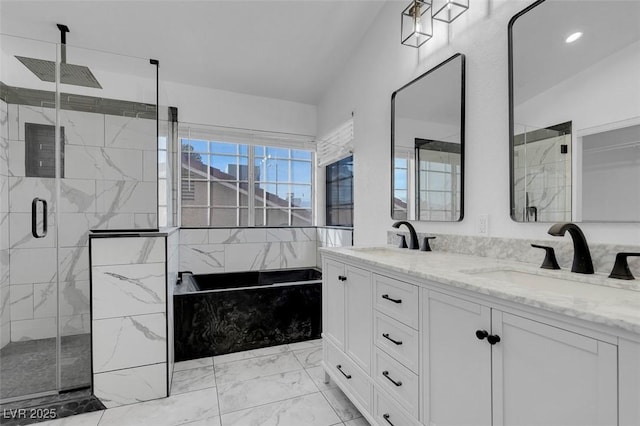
438 356
536 374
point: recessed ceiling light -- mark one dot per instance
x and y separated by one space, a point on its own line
573 37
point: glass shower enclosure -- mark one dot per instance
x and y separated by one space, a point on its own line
78 152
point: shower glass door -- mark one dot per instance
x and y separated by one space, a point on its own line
30 170
78 139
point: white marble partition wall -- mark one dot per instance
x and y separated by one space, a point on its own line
332 237
603 255
109 182
131 319
205 251
5 310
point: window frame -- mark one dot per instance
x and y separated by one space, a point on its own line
335 183
252 182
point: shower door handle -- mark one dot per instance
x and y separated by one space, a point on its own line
34 219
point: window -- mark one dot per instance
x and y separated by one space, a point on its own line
220 189
339 180
401 187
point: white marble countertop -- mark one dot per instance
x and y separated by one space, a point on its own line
594 298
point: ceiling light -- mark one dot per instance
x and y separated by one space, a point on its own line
448 10
416 25
573 37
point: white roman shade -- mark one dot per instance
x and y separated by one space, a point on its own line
336 144
245 136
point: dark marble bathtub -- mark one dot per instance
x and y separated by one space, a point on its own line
234 312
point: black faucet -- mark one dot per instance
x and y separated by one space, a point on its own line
413 243
582 263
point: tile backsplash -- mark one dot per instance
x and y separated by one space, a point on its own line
603 255
205 250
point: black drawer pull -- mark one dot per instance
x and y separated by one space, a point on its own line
339 367
386 296
386 374
342 278
386 336
386 417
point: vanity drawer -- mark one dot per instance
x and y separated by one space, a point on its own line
389 413
398 381
349 375
397 299
397 339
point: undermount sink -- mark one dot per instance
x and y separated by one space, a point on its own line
521 278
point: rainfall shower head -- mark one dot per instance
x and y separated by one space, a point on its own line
78 75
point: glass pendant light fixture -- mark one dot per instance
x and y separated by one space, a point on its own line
448 10
417 24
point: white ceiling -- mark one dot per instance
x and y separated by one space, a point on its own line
288 50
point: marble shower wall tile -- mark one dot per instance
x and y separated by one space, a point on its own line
22 269
130 132
125 197
129 342
237 235
123 290
131 385
41 328
252 256
603 255
122 251
291 234
202 259
298 254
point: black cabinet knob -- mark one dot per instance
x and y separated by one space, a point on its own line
481 334
493 339
342 278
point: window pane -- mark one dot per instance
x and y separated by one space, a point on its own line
339 193
260 170
258 151
259 217
224 167
301 172
192 216
301 155
224 148
162 164
301 195
277 217
224 217
192 145
195 193
301 217
224 194
273 152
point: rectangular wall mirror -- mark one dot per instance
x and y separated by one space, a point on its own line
427 145
574 91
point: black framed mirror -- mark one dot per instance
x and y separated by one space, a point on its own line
427 145
574 112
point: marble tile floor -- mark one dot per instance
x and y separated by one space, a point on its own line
276 386
30 366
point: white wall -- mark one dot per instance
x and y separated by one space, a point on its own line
221 108
381 65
